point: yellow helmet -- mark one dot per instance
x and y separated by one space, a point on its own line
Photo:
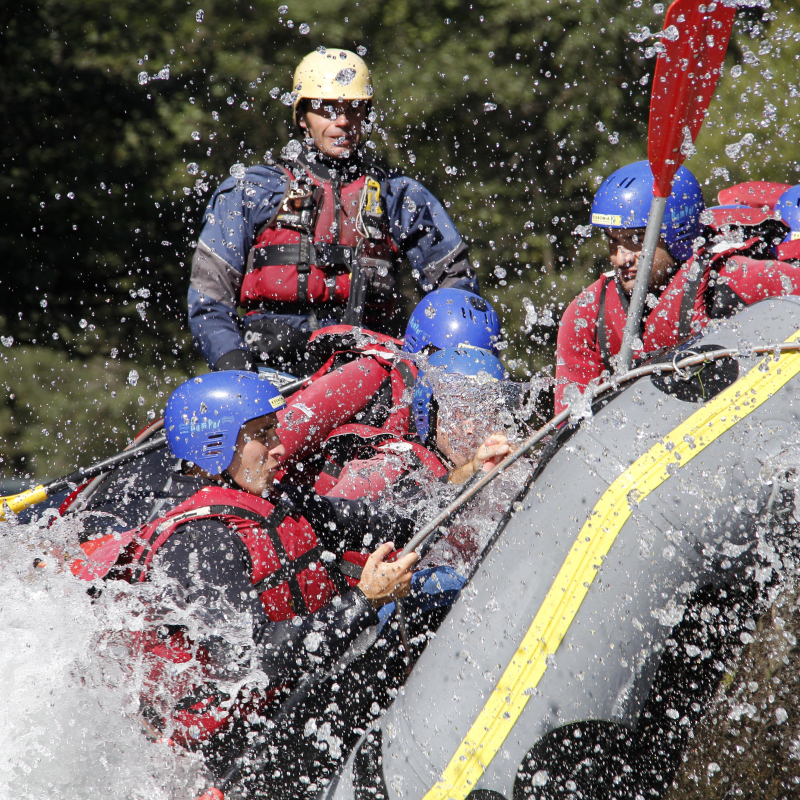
334 74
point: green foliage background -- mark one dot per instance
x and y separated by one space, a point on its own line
100 212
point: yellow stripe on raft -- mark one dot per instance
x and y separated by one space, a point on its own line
594 541
19 502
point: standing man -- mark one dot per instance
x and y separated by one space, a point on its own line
288 241
694 278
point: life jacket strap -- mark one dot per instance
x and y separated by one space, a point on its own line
321 254
601 327
303 267
405 373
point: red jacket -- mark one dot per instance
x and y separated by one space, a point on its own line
591 328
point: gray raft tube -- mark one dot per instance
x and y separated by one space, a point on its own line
596 628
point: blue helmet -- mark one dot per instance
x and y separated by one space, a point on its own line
203 416
468 361
450 318
623 201
789 207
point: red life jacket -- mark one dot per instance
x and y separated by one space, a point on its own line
789 251
305 254
684 306
287 571
362 461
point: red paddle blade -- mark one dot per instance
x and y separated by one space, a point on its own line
696 38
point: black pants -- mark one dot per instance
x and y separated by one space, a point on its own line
278 344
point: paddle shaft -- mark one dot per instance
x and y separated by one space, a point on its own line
633 323
471 488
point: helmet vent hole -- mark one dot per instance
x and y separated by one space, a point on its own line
626 183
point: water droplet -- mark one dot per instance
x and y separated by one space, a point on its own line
244 106
230 101
43 303
237 171
274 92
540 778
490 106
304 28
193 168
345 76
671 34
287 99
361 50
687 146
196 135
7 340
133 377
736 71
781 715
430 312
199 15
83 323
283 10
71 195
500 272
465 78
163 74
215 116
143 78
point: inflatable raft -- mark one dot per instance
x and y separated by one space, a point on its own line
595 627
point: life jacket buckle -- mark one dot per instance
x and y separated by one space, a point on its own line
372 202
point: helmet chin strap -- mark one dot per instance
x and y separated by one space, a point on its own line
230 482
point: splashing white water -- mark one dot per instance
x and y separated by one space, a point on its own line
69 708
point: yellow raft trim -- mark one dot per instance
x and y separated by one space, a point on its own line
585 557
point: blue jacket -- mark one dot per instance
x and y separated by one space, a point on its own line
418 224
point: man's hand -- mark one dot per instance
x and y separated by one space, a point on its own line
493 450
381 581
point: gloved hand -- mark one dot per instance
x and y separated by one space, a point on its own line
235 359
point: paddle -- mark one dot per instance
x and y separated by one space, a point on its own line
695 38
16 503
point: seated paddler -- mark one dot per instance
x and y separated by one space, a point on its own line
234 552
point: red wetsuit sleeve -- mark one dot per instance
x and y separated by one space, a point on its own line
753 280
578 358
327 403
